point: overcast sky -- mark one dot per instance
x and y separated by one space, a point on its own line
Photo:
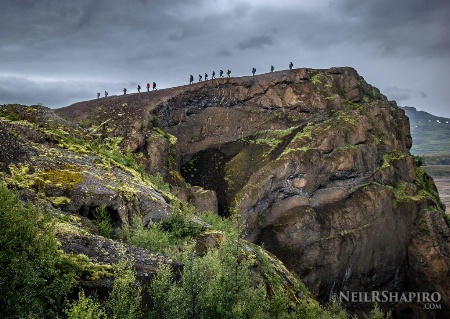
58 52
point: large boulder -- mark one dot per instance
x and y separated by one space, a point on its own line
317 163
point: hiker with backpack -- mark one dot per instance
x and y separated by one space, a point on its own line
206 76
228 73
98 95
272 68
124 91
221 73
213 75
139 88
199 78
191 79
253 71
106 94
291 65
154 86
148 87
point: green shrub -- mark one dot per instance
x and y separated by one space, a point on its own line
181 225
31 280
125 300
103 221
85 308
153 238
377 313
418 161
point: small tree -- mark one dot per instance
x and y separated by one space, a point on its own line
85 307
103 221
125 300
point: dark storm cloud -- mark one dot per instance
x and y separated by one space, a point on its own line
399 28
63 49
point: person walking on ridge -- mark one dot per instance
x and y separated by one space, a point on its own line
272 68
253 71
228 73
98 95
221 73
206 76
213 76
199 78
154 86
106 94
191 79
139 88
124 91
148 87
291 65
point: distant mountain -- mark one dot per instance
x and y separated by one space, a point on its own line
430 133
416 116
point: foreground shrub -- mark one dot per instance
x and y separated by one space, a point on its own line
31 281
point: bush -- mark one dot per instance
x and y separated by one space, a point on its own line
153 238
85 307
418 161
103 221
125 300
181 225
31 280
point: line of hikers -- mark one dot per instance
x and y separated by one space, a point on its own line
138 89
213 75
191 79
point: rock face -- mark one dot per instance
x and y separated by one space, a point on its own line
316 161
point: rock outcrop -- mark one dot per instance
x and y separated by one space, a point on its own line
316 162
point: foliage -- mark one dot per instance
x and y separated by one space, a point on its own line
181 225
377 313
86 307
124 301
153 237
159 183
31 279
103 221
218 285
81 267
418 160
163 236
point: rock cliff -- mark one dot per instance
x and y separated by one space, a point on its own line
316 162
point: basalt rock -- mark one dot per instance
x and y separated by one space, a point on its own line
317 163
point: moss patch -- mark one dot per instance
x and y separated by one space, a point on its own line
83 268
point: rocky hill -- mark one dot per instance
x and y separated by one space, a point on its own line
315 162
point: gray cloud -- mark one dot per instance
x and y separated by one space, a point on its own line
257 42
400 28
66 51
398 94
224 53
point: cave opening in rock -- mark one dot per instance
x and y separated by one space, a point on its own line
89 211
207 169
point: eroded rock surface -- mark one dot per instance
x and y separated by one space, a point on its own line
317 163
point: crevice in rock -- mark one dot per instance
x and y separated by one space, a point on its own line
207 169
